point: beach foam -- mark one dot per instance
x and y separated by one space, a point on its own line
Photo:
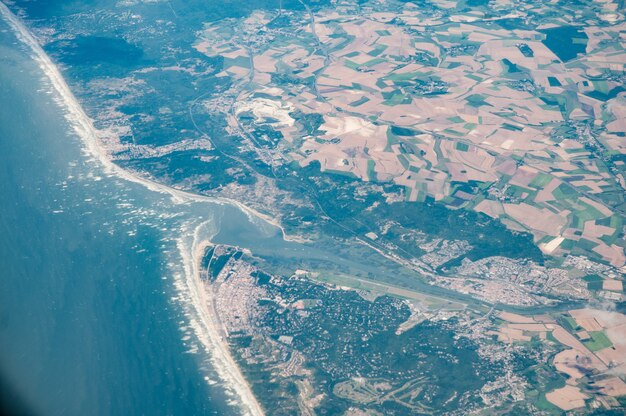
206 325
191 246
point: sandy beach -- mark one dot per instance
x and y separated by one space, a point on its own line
207 329
84 127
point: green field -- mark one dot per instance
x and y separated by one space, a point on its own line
598 341
541 180
568 322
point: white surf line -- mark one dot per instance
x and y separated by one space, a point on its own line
85 129
211 332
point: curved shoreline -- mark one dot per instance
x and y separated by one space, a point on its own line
210 330
208 333
85 129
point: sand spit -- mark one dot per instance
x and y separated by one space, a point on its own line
208 327
207 331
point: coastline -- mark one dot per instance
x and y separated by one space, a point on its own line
208 331
88 133
208 327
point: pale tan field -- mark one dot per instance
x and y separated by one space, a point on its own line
484 127
516 319
567 398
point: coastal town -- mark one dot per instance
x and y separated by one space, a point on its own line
305 332
363 207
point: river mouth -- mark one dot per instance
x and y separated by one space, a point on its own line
102 299
95 252
93 319
123 255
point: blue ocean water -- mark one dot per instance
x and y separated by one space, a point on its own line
87 320
92 318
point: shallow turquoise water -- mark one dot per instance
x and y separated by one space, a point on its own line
87 323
